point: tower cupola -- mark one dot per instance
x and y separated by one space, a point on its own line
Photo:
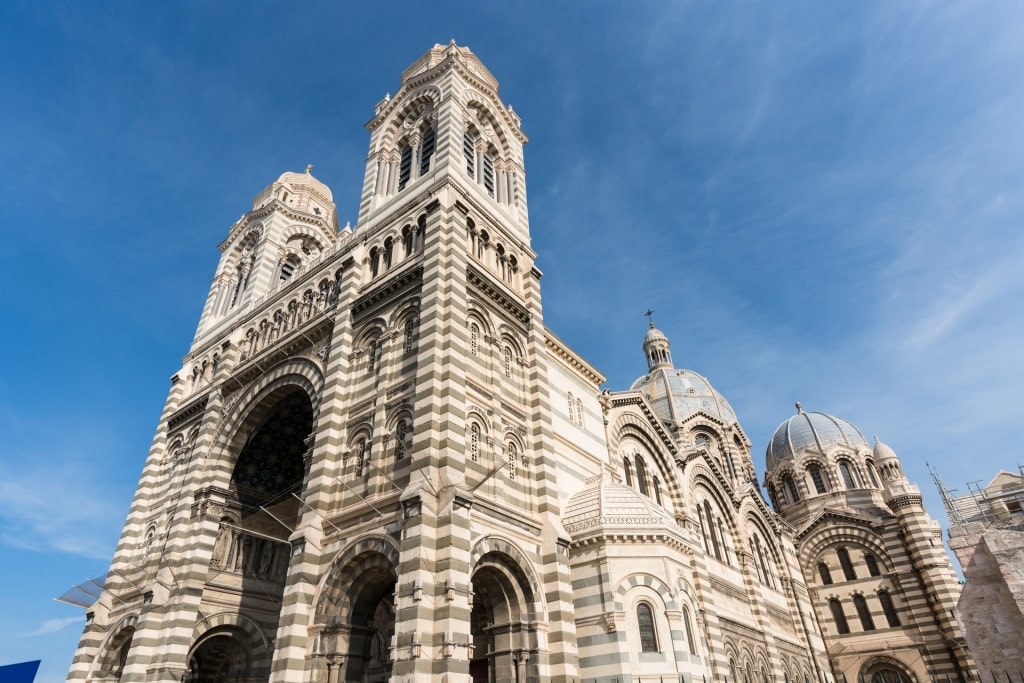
657 349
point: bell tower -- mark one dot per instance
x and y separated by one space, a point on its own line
446 119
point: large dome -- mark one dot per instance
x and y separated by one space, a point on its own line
811 431
677 394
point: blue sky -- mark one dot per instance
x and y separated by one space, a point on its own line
821 202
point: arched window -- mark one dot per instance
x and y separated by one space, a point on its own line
579 411
645 628
389 250
888 608
790 487
641 476
872 475
824 573
762 559
817 478
474 339
872 564
474 442
410 336
838 617
705 526
481 245
373 353
702 440
427 145
847 474
374 262
711 530
513 268
488 169
288 267
407 237
656 485
421 232
469 151
405 166
688 628
866 622
362 455
730 465
572 407
628 470
844 562
511 452
725 545
508 361
401 433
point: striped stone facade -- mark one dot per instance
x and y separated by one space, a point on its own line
377 463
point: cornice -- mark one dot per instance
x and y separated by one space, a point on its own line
635 398
488 287
387 288
187 413
560 349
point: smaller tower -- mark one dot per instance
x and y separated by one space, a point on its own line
657 349
293 224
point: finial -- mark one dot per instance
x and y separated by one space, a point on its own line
309 167
799 408
452 42
650 317
876 438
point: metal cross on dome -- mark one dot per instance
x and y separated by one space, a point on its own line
650 316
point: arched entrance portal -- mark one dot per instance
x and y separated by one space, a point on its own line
221 657
357 615
502 623
886 670
372 626
252 552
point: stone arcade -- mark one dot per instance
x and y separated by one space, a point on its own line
377 464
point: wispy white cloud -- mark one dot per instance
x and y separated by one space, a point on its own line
52 626
59 507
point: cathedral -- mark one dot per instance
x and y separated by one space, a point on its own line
377 464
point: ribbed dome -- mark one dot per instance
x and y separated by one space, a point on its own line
677 394
604 503
301 181
882 453
811 431
654 334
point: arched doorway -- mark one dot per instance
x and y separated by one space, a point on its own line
252 551
112 664
221 657
357 611
885 671
502 622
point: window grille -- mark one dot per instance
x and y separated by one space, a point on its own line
427 150
817 478
468 149
405 167
474 442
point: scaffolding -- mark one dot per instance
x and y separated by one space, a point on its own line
982 502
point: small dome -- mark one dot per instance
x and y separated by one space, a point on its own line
604 503
654 334
882 452
677 394
302 181
811 431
